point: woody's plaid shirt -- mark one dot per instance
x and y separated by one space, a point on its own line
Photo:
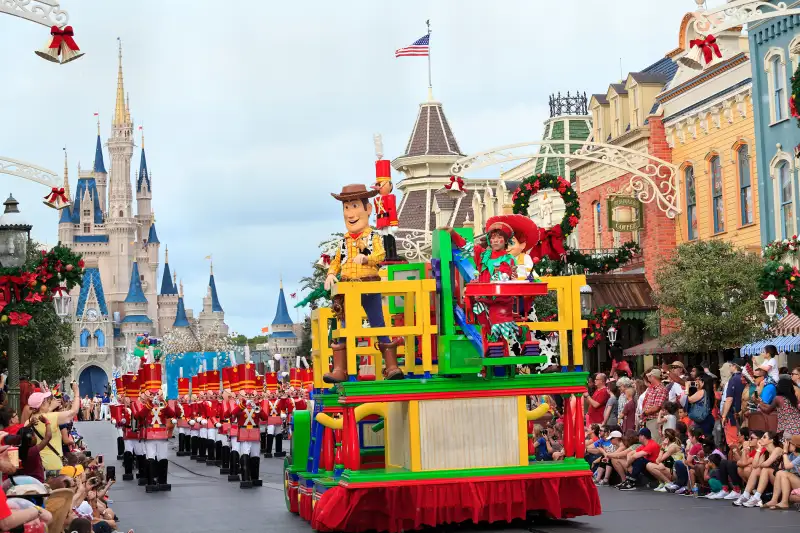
349 269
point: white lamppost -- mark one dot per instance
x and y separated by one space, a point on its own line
771 306
612 335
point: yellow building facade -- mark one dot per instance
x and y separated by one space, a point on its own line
709 125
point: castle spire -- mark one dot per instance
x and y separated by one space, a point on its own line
121 114
167 285
135 292
66 175
282 317
215 305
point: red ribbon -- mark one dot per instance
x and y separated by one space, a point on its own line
64 36
453 181
11 283
709 47
56 194
19 319
551 243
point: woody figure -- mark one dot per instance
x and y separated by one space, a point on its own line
386 221
358 258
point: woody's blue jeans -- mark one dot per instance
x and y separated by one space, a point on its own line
374 308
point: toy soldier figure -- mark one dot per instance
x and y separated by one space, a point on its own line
133 448
154 418
213 417
234 402
202 414
184 446
196 416
274 424
248 413
358 258
225 428
386 221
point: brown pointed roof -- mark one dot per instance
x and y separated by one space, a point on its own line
432 134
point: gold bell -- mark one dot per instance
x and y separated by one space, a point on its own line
68 54
50 54
693 59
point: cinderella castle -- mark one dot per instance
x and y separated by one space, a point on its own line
120 297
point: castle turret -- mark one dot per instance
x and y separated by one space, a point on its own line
144 196
167 298
66 229
100 174
136 320
212 310
282 339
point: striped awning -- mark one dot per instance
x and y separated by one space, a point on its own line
787 326
787 343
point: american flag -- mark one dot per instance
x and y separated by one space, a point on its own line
420 48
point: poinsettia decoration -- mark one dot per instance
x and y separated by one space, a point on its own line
24 288
600 320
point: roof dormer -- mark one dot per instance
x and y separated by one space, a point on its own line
598 105
642 88
617 97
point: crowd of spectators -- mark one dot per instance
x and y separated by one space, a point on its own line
51 481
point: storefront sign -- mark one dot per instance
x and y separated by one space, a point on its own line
625 214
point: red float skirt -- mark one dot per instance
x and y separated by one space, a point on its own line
404 508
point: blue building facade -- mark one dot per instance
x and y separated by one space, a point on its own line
775 54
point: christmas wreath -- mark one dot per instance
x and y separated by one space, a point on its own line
575 262
551 241
22 289
600 320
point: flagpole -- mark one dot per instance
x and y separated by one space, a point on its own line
430 84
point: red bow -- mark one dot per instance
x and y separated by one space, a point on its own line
708 45
551 244
453 181
326 259
64 36
56 194
19 319
8 284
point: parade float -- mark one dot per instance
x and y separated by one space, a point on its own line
443 434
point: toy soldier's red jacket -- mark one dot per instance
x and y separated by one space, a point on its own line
272 408
228 426
129 423
154 421
290 405
213 413
385 211
247 421
186 414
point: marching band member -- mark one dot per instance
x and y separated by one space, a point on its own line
154 418
194 420
248 413
261 399
225 428
202 418
233 401
134 449
213 417
117 416
184 445
274 422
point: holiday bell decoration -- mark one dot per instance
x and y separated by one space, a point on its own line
701 53
61 44
455 188
57 199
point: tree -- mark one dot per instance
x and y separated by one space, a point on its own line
305 339
313 284
708 290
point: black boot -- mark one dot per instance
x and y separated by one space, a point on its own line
255 464
152 476
195 440
268 450
226 461
279 446
218 453
162 476
127 464
244 465
263 443
201 452
181 444
211 447
142 470
234 473
120 448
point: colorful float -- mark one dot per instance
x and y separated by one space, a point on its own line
448 439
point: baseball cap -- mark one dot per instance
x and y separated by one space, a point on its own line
656 373
615 435
36 399
677 364
646 433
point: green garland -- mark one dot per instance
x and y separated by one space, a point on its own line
580 263
25 288
601 319
533 184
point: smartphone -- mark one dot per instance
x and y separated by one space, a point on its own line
111 473
100 459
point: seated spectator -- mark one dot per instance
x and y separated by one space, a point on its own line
603 466
648 453
787 481
671 451
620 457
765 462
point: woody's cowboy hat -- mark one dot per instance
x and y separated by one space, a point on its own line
354 191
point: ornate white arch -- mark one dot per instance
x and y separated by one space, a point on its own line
738 13
652 179
29 171
45 12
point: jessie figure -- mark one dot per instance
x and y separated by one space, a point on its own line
494 264
526 234
358 258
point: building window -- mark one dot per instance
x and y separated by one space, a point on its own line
691 203
617 130
717 204
87 228
745 186
635 118
787 200
598 226
779 88
86 212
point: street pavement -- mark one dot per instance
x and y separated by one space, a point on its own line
201 501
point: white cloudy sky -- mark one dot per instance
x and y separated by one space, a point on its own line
255 111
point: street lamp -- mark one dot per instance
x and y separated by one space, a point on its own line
62 301
14 236
771 305
612 335
586 300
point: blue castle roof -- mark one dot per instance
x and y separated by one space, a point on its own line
135 292
152 236
282 317
137 318
283 335
91 279
215 305
167 287
181 321
73 214
99 165
143 176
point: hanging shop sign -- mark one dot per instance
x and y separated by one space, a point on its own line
625 213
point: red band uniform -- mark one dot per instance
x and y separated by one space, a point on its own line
248 413
154 418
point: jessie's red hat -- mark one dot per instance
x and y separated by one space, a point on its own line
525 229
